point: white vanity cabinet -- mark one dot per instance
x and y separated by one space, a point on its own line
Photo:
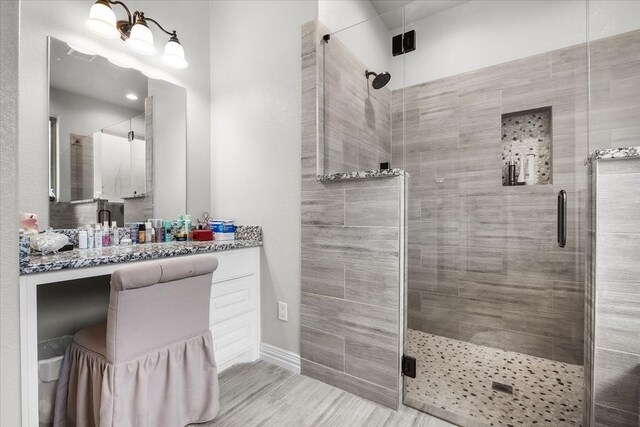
234 315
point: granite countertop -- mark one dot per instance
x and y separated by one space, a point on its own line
78 202
615 153
379 173
78 258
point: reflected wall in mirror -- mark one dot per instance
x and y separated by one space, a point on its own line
117 142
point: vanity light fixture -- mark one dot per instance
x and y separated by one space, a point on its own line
134 32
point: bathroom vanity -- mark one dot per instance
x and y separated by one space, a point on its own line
234 307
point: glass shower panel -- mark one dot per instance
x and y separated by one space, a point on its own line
495 126
356 103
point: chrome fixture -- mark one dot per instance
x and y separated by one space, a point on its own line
134 32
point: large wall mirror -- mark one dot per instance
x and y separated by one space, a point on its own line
117 141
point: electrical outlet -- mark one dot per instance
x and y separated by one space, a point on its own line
282 311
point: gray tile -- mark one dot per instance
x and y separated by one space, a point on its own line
323 207
350 319
322 348
617 380
363 245
351 384
372 285
373 363
618 321
323 277
607 417
372 207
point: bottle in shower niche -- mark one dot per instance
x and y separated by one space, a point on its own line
522 173
530 175
512 173
115 234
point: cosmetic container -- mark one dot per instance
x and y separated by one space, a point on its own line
115 234
148 232
142 232
159 233
166 225
82 239
133 232
125 242
106 235
98 236
90 237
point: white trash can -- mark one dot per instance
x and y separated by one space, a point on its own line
50 357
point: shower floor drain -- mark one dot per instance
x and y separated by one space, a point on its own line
505 388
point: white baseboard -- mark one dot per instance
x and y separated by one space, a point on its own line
280 357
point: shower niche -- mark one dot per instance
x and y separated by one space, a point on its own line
527 137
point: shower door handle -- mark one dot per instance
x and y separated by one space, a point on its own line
562 218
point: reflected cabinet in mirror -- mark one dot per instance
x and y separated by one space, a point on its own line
117 142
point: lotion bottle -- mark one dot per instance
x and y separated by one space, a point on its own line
106 235
82 239
90 237
98 236
115 234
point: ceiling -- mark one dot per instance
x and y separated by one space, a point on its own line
415 9
99 79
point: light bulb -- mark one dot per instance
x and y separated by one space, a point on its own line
141 39
102 20
174 54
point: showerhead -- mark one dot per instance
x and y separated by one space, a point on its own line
380 80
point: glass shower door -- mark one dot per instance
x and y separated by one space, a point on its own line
495 122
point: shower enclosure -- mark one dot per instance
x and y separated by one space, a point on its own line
491 115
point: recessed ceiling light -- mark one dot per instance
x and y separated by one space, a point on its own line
132 97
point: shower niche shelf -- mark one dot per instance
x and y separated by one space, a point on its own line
527 132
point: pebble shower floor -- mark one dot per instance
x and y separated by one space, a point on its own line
457 376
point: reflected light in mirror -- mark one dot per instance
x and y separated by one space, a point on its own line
102 20
79 49
132 97
119 63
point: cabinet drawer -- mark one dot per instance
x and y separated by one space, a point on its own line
235 263
234 336
233 298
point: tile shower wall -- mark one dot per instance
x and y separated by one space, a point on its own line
484 264
357 118
351 256
614 387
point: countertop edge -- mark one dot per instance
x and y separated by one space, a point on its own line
365 174
127 255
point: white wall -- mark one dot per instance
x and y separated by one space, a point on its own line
481 33
9 289
256 141
65 21
80 115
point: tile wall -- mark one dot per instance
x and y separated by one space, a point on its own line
352 234
615 382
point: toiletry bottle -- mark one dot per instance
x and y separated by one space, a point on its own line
141 232
153 235
90 238
82 239
159 234
522 172
531 169
166 230
133 233
98 236
106 235
115 234
148 232
187 226
512 173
